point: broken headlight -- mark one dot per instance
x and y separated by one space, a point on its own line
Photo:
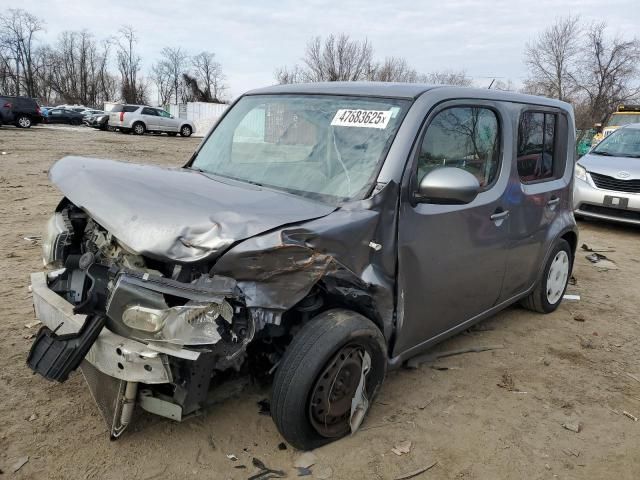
55 240
191 324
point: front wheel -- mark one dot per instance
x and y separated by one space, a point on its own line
23 122
185 131
547 295
327 378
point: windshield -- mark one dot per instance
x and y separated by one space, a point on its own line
624 142
619 119
324 147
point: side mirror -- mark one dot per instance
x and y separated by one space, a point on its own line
447 185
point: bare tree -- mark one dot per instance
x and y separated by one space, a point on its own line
18 29
447 77
208 73
132 87
286 75
173 62
608 71
393 69
552 59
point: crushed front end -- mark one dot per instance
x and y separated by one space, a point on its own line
143 331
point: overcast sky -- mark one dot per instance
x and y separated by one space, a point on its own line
252 38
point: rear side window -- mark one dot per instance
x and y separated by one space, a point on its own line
124 108
149 111
537 153
462 137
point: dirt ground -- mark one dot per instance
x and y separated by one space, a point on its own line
492 415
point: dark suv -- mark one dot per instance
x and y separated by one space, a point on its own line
20 111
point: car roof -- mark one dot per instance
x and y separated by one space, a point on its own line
402 90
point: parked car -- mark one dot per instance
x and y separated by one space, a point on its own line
73 107
20 111
140 119
99 121
608 178
327 232
62 115
91 111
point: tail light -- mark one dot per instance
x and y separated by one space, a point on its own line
38 111
7 105
122 116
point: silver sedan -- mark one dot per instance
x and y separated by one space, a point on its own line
607 184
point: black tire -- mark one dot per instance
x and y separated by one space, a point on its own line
538 300
23 121
314 350
138 128
75 122
185 131
124 130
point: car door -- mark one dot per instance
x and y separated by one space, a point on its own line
539 193
451 257
150 118
56 116
169 123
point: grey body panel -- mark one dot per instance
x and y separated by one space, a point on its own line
173 213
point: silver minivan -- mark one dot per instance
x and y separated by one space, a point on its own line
320 235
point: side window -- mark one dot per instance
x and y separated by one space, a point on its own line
164 113
462 137
129 108
536 146
149 111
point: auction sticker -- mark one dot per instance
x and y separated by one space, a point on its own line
361 118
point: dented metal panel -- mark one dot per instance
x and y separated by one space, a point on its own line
174 213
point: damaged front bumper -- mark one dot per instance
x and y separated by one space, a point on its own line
114 365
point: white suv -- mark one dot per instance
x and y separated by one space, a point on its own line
141 118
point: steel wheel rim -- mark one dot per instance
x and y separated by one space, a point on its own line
330 401
24 122
558 276
186 131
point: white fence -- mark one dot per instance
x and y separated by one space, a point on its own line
203 115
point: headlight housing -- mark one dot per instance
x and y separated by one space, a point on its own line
56 239
191 324
581 172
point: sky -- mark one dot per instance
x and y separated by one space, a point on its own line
251 39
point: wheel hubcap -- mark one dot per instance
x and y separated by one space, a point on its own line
558 276
24 122
330 402
185 131
139 129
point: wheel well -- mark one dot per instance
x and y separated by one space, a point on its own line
186 125
572 239
139 122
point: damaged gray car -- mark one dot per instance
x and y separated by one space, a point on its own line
320 235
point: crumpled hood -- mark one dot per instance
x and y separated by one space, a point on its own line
611 166
175 213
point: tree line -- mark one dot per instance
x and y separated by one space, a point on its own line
571 60
79 69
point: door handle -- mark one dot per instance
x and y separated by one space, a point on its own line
553 201
499 215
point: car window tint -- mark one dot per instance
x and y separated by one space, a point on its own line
462 137
536 146
149 111
129 108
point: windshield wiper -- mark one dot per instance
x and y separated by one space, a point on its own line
607 154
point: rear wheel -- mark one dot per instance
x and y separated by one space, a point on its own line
547 295
138 128
185 131
23 121
327 378
75 122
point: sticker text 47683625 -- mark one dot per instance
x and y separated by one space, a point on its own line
361 118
